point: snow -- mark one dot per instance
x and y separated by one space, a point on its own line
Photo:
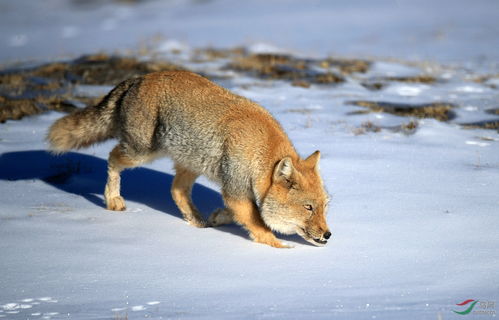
414 217
450 31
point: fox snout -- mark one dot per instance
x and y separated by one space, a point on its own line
317 230
324 238
316 238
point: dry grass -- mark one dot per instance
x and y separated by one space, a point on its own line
98 69
211 54
33 91
15 109
347 66
373 85
110 70
413 79
493 111
488 124
301 83
441 111
47 87
283 67
405 128
484 78
379 83
366 127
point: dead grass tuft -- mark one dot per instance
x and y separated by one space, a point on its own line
413 79
347 66
110 70
493 111
488 124
441 111
17 109
405 128
211 54
283 67
301 83
373 85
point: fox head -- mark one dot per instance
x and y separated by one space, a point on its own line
296 201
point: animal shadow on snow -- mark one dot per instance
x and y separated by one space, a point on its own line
86 176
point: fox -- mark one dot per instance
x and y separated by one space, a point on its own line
206 130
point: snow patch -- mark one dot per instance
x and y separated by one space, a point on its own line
118 309
172 46
477 143
265 48
138 308
10 306
469 89
409 91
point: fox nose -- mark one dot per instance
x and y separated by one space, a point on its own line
327 235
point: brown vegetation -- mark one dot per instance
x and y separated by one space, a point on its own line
284 67
441 111
487 124
25 92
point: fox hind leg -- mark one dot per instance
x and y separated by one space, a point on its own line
118 161
181 194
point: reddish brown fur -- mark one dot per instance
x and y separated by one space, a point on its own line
207 130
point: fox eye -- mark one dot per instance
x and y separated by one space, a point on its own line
308 207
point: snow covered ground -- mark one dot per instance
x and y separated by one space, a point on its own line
414 216
445 30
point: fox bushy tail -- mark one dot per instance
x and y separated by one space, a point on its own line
90 125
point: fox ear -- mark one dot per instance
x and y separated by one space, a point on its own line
283 170
313 159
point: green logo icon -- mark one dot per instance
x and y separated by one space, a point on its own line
464 303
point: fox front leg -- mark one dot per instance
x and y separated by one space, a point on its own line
246 214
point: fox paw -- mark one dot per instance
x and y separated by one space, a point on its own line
116 204
272 241
220 217
198 223
281 245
